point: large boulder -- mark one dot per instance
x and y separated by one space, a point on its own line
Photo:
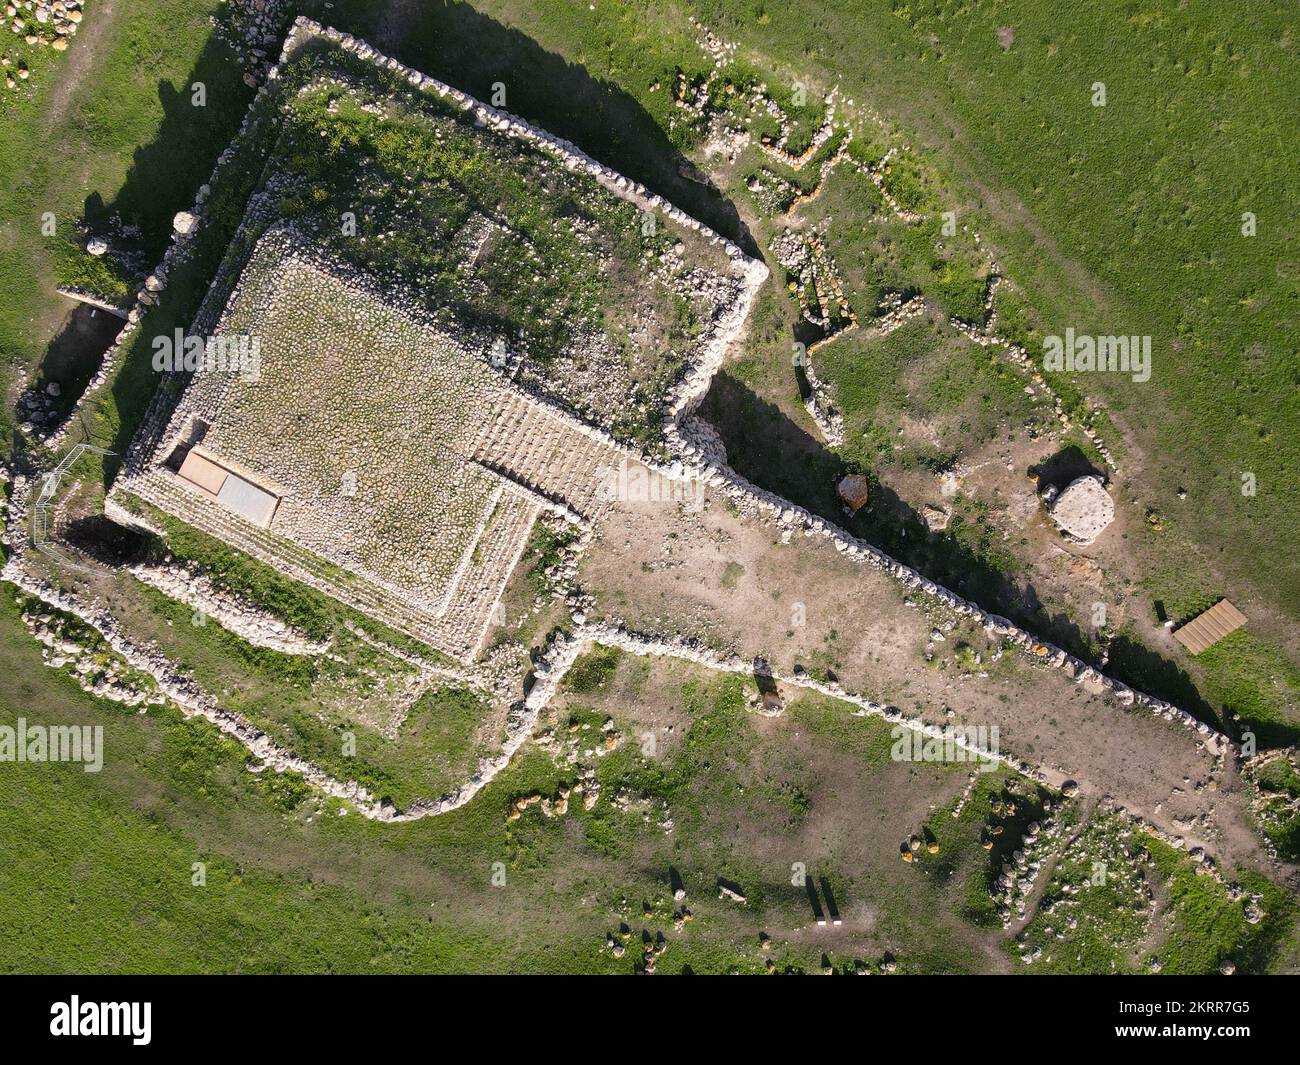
853 491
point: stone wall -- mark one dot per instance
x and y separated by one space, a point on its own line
789 516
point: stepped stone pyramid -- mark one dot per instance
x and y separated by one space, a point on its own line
371 455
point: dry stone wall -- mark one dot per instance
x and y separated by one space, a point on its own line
180 689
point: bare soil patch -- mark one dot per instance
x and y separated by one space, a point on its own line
803 604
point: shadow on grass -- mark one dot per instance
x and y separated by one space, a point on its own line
163 178
167 172
103 541
1139 666
772 451
470 50
76 351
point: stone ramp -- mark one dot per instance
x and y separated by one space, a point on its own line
547 452
473 597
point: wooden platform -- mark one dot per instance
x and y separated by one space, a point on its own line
1210 627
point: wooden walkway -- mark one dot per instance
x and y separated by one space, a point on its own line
1210 627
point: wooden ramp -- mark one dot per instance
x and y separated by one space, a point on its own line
1210 627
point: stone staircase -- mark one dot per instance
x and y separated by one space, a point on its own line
543 450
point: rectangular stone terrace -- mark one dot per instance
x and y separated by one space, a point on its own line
371 455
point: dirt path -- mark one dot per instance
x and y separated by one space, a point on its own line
85 53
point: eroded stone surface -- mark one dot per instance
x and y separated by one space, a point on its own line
1083 509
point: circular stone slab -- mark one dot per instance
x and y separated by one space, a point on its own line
1083 509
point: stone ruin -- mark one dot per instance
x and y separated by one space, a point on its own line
380 452
405 483
512 431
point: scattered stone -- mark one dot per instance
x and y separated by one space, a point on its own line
854 490
725 892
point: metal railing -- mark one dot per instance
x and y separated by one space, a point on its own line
44 504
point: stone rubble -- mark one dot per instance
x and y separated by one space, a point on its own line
38 24
107 676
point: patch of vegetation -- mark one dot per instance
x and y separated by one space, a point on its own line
1277 803
319 616
287 790
546 548
1255 686
1209 927
731 574
593 671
